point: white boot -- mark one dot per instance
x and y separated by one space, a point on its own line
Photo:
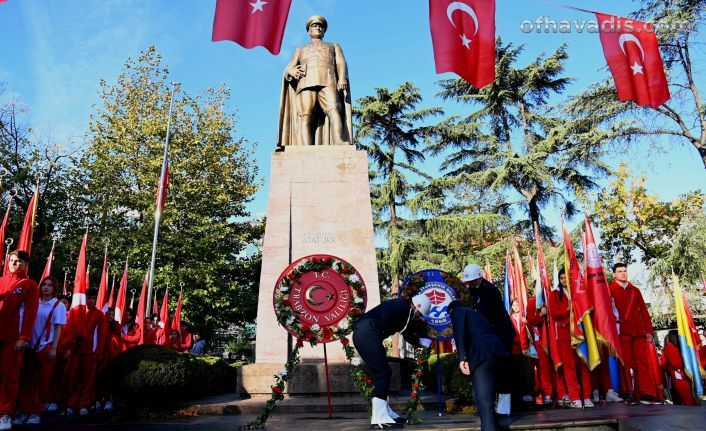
380 418
504 404
393 414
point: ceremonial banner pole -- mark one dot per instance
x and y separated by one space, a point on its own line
328 386
160 196
438 377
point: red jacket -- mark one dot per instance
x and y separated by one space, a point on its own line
671 360
559 314
520 343
18 295
114 342
634 319
150 336
186 340
132 336
89 337
535 322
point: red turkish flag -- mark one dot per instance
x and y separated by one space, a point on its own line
463 35
604 320
632 52
25 241
251 23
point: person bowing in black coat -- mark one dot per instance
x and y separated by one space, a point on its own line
369 331
486 300
479 349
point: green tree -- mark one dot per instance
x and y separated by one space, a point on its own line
683 118
204 228
27 161
686 256
630 218
389 126
516 144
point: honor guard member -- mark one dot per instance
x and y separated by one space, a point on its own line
479 349
369 331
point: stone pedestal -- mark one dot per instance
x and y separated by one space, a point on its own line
319 202
309 378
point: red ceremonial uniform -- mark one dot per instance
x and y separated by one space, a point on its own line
537 323
88 345
150 336
634 325
58 389
187 340
520 344
672 363
560 317
114 342
131 335
19 299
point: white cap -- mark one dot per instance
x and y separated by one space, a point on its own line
422 304
471 272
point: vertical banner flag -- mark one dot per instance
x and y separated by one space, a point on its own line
583 337
463 36
632 52
77 313
49 266
3 229
163 335
687 344
103 286
176 322
507 286
251 23
486 273
604 319
25 241
121 300
141 310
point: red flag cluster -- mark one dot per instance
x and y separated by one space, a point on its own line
463 37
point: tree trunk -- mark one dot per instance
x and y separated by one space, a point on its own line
533 210
394 276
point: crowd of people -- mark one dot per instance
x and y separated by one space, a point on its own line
51 353
487 337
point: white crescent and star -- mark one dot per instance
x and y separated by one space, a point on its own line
463 7
257 6
625 38
309 294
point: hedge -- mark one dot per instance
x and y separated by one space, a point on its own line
151 375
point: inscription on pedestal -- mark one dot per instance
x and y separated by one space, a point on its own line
319 238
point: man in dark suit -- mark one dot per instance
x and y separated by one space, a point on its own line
487 301
479 349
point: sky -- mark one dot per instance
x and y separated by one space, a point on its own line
55 52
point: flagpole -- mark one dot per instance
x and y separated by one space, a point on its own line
160 196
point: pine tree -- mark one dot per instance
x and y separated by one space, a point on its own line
517 144
390 128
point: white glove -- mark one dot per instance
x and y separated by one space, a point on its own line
425 342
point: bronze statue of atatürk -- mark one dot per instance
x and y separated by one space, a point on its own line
315 108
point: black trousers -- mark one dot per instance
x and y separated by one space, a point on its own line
483 379
367 340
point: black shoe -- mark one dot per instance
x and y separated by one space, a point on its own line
650 400
401 420
386 426
631 400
